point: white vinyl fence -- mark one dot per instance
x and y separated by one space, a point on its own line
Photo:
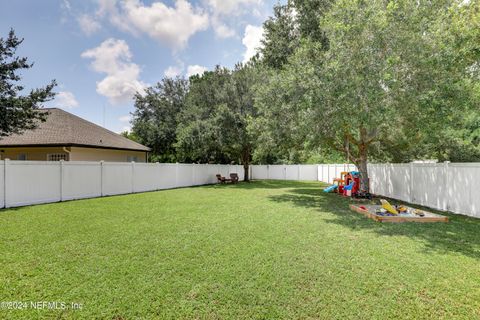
307 172
446 186
31 182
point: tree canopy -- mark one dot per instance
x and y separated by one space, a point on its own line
18 112
365 80
390 80
155 120
214 124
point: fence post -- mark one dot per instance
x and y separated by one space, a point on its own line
268 171
101 179
133 176
447 187
328 173
410 196
157 170
193 174
176 175
5 182
61 178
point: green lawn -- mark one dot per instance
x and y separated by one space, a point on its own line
260 250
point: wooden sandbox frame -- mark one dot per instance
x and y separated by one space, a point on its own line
371 209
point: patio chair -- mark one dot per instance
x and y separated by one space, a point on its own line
220 179
234 177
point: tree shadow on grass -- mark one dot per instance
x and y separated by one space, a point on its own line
460 234
268 184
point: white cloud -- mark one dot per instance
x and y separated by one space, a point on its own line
173 71
65 100
125 119
88 24
225 12
113 57
195 69
252 41
171 25
221 29
231 7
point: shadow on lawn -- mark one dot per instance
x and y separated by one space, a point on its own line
267 184
460 235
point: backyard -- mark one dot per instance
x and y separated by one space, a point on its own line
266 249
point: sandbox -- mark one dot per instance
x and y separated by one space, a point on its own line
371 211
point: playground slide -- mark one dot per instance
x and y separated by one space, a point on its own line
330 189
350 186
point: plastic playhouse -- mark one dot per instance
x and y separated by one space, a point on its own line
348 185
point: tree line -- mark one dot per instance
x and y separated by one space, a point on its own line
334 80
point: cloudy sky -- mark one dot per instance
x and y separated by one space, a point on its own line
102 51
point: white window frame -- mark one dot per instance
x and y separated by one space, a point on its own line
59 156
132 158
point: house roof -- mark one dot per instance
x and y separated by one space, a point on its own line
65 129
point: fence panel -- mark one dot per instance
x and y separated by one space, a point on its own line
260 172
2 184
145 177
276 172
292 172
32 182
377 173
117 178
81 180
224 170
201 174
308 172
429 185
168 176
185 175
463 183
398 181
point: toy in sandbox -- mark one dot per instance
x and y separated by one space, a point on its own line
396 213
348 185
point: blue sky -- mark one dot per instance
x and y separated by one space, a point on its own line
101 51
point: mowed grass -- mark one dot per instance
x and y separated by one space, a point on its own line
260 250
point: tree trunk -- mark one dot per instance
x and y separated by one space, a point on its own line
246 175
246 163
363 169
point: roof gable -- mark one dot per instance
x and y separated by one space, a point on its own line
64 128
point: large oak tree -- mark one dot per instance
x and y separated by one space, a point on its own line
393 73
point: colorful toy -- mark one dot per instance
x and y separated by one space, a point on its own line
352 182
331 188
340 182
387 206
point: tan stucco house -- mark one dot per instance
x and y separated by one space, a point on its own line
65 136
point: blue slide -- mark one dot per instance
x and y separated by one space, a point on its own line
330 189
350 186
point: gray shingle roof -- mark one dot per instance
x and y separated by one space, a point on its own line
66 129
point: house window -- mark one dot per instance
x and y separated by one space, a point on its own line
131 158
22 157
57 156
